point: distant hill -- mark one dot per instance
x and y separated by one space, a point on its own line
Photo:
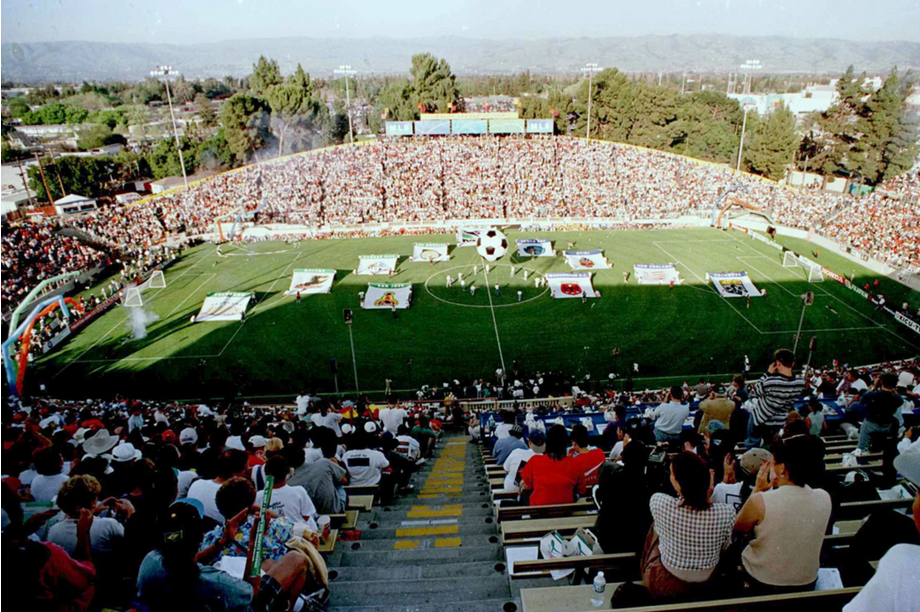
74 61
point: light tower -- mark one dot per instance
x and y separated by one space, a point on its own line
590 69
166 72
346 71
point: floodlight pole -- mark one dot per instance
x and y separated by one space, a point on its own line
166 72
589 69
741 145
345 71
807 301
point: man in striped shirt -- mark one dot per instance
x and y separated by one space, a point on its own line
772 398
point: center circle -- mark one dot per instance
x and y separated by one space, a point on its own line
494 266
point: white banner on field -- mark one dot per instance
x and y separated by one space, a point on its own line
308 281
377 264
224 306
426 253
571 285
656 274
381 296
733 284
535 247
468 236
586 260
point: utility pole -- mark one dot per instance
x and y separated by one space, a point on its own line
346 71
166 72
589 69
58 172
44 182
22 175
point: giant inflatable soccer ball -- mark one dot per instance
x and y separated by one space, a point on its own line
492 244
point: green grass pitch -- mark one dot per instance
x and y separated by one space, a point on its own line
283 347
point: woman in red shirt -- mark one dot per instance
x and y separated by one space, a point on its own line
553 478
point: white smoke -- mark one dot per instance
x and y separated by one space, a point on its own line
139 317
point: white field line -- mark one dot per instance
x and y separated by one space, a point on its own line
677 261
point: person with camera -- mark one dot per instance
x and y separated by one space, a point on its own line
772 398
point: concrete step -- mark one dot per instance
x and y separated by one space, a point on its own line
472 570
401 513
387 544
381 557
480 496
439 530
427 592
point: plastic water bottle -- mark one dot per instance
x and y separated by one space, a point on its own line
600 585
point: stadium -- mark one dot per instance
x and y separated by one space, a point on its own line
481 308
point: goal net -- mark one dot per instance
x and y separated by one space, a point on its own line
134 295
791 260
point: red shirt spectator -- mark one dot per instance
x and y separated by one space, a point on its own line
552 481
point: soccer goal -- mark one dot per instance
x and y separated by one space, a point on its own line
134 295
791 260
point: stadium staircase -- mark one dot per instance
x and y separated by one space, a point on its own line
436 549
86 238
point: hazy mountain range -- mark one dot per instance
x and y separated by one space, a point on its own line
75 61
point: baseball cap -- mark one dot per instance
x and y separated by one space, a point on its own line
257 441
538 440
191 502
188 436
516 430
370 427
169 436
753 459
347 429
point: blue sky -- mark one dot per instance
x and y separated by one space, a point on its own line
188 21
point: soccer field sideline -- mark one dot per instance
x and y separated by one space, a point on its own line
424 331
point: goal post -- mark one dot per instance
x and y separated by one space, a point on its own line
815 275
813 270
134 297
790 260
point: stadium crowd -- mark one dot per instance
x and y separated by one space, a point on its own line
465 178
148 501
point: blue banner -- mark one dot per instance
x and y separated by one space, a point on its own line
432 128
470 126
399 128
540 126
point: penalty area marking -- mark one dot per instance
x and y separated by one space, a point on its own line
250 253
487 288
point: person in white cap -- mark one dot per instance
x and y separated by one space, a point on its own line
895 587
189 435
256 450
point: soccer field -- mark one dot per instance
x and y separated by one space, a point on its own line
282 346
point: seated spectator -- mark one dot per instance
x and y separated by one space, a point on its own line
503 429
365 466
236 502
880 406
255 449
669 417
291 502
553 478
45 575
715 408
425 435
81 493
408 446
896 583
624 519
230 464
739 477
324 480
49 464
536 445
815 419
688 534
170 573
586 459
788 520
504 446
325 418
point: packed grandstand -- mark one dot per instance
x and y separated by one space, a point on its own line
466 178
794 487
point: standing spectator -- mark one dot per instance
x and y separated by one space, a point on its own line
880 406
772 397
688 535
324 418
